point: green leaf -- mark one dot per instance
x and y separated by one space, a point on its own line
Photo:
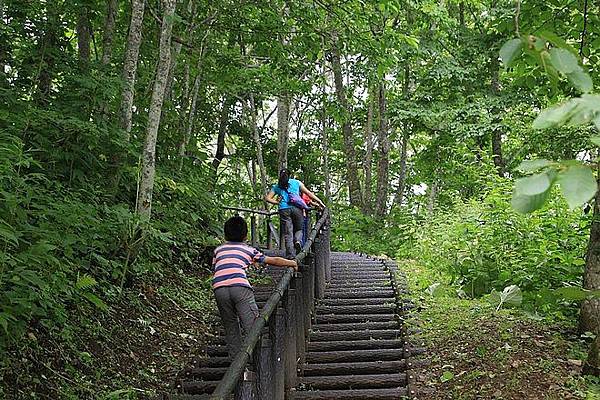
85 282
576 293
512 295
532 185
577 184
563 60
533 165
95 300
555 116
510 50
446 376
595 140
581 81
526 204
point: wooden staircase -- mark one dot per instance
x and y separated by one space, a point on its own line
356 347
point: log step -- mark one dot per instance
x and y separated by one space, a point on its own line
354 381
357 309
320 357
355 368
360 394
198 387
332 318
359 294
355 326
356 345
355 335
352 302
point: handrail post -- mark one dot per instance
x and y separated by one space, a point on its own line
300 312
327 247
291 369
264 366
269 236
253 238
278 331
320 274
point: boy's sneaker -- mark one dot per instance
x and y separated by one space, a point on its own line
298 247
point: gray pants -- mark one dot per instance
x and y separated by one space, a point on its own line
291 221
237 307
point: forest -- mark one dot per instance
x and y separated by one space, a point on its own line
458 137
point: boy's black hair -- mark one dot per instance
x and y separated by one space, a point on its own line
236 229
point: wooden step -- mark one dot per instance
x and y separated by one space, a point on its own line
355 335
359 394
359 326
357 309
320 357
355 345
345 318
355 368
359 294
354 381
352 302
198 387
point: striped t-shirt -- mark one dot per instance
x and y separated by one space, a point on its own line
230 262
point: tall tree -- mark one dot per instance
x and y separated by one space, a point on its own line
144 200
112 7
589 317
223 123
347 131
84 34
283 130
367 196
383 162
259 149
132 51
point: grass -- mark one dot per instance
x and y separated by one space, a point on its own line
477 352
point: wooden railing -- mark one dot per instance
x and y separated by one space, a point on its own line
276 343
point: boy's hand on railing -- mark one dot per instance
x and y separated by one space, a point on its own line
294 265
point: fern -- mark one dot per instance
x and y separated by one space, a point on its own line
85 282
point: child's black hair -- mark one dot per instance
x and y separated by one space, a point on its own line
236 229
284 179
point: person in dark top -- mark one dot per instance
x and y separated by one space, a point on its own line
291 215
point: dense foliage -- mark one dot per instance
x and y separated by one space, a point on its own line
125 126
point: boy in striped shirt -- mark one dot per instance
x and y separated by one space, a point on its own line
233 292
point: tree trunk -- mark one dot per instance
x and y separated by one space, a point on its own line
383 163
367 196
109 30
351 166
325 143
220 151
259 149
592 365
496 118
589 318
191 116
4 47
84 35
402 176
283 130
432 197
134 39
144 201
48 49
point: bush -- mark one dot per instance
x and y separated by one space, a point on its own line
485 245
